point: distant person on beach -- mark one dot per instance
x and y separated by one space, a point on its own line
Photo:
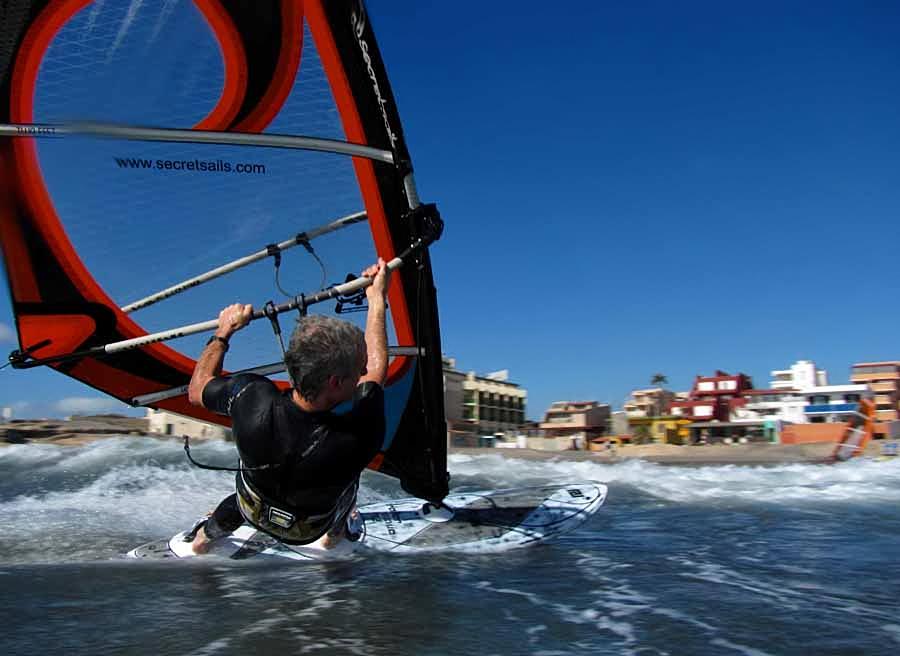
300 463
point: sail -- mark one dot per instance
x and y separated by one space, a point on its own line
857 433
162 160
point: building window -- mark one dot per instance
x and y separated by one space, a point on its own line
884 369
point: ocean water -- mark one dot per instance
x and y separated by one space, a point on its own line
792 559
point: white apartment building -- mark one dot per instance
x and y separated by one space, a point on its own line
816 404
771 405
786 400
834 403
802 375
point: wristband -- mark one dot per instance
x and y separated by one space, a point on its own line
216 338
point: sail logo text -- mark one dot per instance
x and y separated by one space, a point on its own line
36 129
358 21
198 165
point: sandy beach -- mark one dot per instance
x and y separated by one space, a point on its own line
670 454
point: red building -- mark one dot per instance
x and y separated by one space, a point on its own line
713 397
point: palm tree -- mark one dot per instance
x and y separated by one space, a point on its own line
659 380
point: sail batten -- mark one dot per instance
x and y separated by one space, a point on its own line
301 238
171 135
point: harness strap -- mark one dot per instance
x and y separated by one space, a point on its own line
289 525
187 450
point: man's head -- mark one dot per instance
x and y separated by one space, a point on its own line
326 356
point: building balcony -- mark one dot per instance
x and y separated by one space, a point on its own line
765 405
547 426
858 377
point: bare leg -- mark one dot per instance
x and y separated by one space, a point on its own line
338 533
334 537
201 543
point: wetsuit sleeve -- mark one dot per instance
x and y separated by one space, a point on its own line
367 415
222 392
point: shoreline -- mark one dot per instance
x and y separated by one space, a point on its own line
671 454
85 431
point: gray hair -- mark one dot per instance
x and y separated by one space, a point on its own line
322 346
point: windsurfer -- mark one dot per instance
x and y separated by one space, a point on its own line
300 462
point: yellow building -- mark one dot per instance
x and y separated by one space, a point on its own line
664 430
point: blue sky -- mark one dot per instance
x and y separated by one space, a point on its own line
632 188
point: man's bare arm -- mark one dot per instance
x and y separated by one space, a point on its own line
376 329
209 364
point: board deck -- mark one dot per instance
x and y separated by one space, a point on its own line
473 522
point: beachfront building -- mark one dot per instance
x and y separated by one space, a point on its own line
709 408
618 423
458 431
884 380
827 410
830 404
802 375
482 409
711 397
161 422
651 402
573 424
663 429
782 405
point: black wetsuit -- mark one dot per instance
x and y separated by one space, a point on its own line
312 457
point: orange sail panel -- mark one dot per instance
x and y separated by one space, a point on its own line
857 433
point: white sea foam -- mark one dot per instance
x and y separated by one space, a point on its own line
740 649
893 630
861 481
776 591
139 461
127 486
